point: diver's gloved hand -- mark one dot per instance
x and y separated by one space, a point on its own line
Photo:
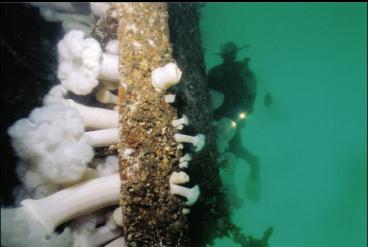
268 100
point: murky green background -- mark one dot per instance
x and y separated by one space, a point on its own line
312 141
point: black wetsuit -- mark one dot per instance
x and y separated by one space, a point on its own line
238 84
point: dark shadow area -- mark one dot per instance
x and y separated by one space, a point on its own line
28 69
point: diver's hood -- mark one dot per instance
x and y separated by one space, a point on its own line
230 48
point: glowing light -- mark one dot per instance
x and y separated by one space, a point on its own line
242 115
233 124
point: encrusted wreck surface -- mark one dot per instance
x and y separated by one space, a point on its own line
210 217
147 150
106 27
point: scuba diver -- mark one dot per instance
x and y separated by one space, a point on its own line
236 81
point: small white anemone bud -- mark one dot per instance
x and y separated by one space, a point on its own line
186 157
170 98
179 178
179 123
191 194
112 47
185 211
165 77
183 165
198 141
117 216
183 161
104 96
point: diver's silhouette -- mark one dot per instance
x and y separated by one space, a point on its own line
236 81
238 84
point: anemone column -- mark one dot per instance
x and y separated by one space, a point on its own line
151 216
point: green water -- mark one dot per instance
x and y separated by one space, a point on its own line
312 141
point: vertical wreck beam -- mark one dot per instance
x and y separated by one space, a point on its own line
147 150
